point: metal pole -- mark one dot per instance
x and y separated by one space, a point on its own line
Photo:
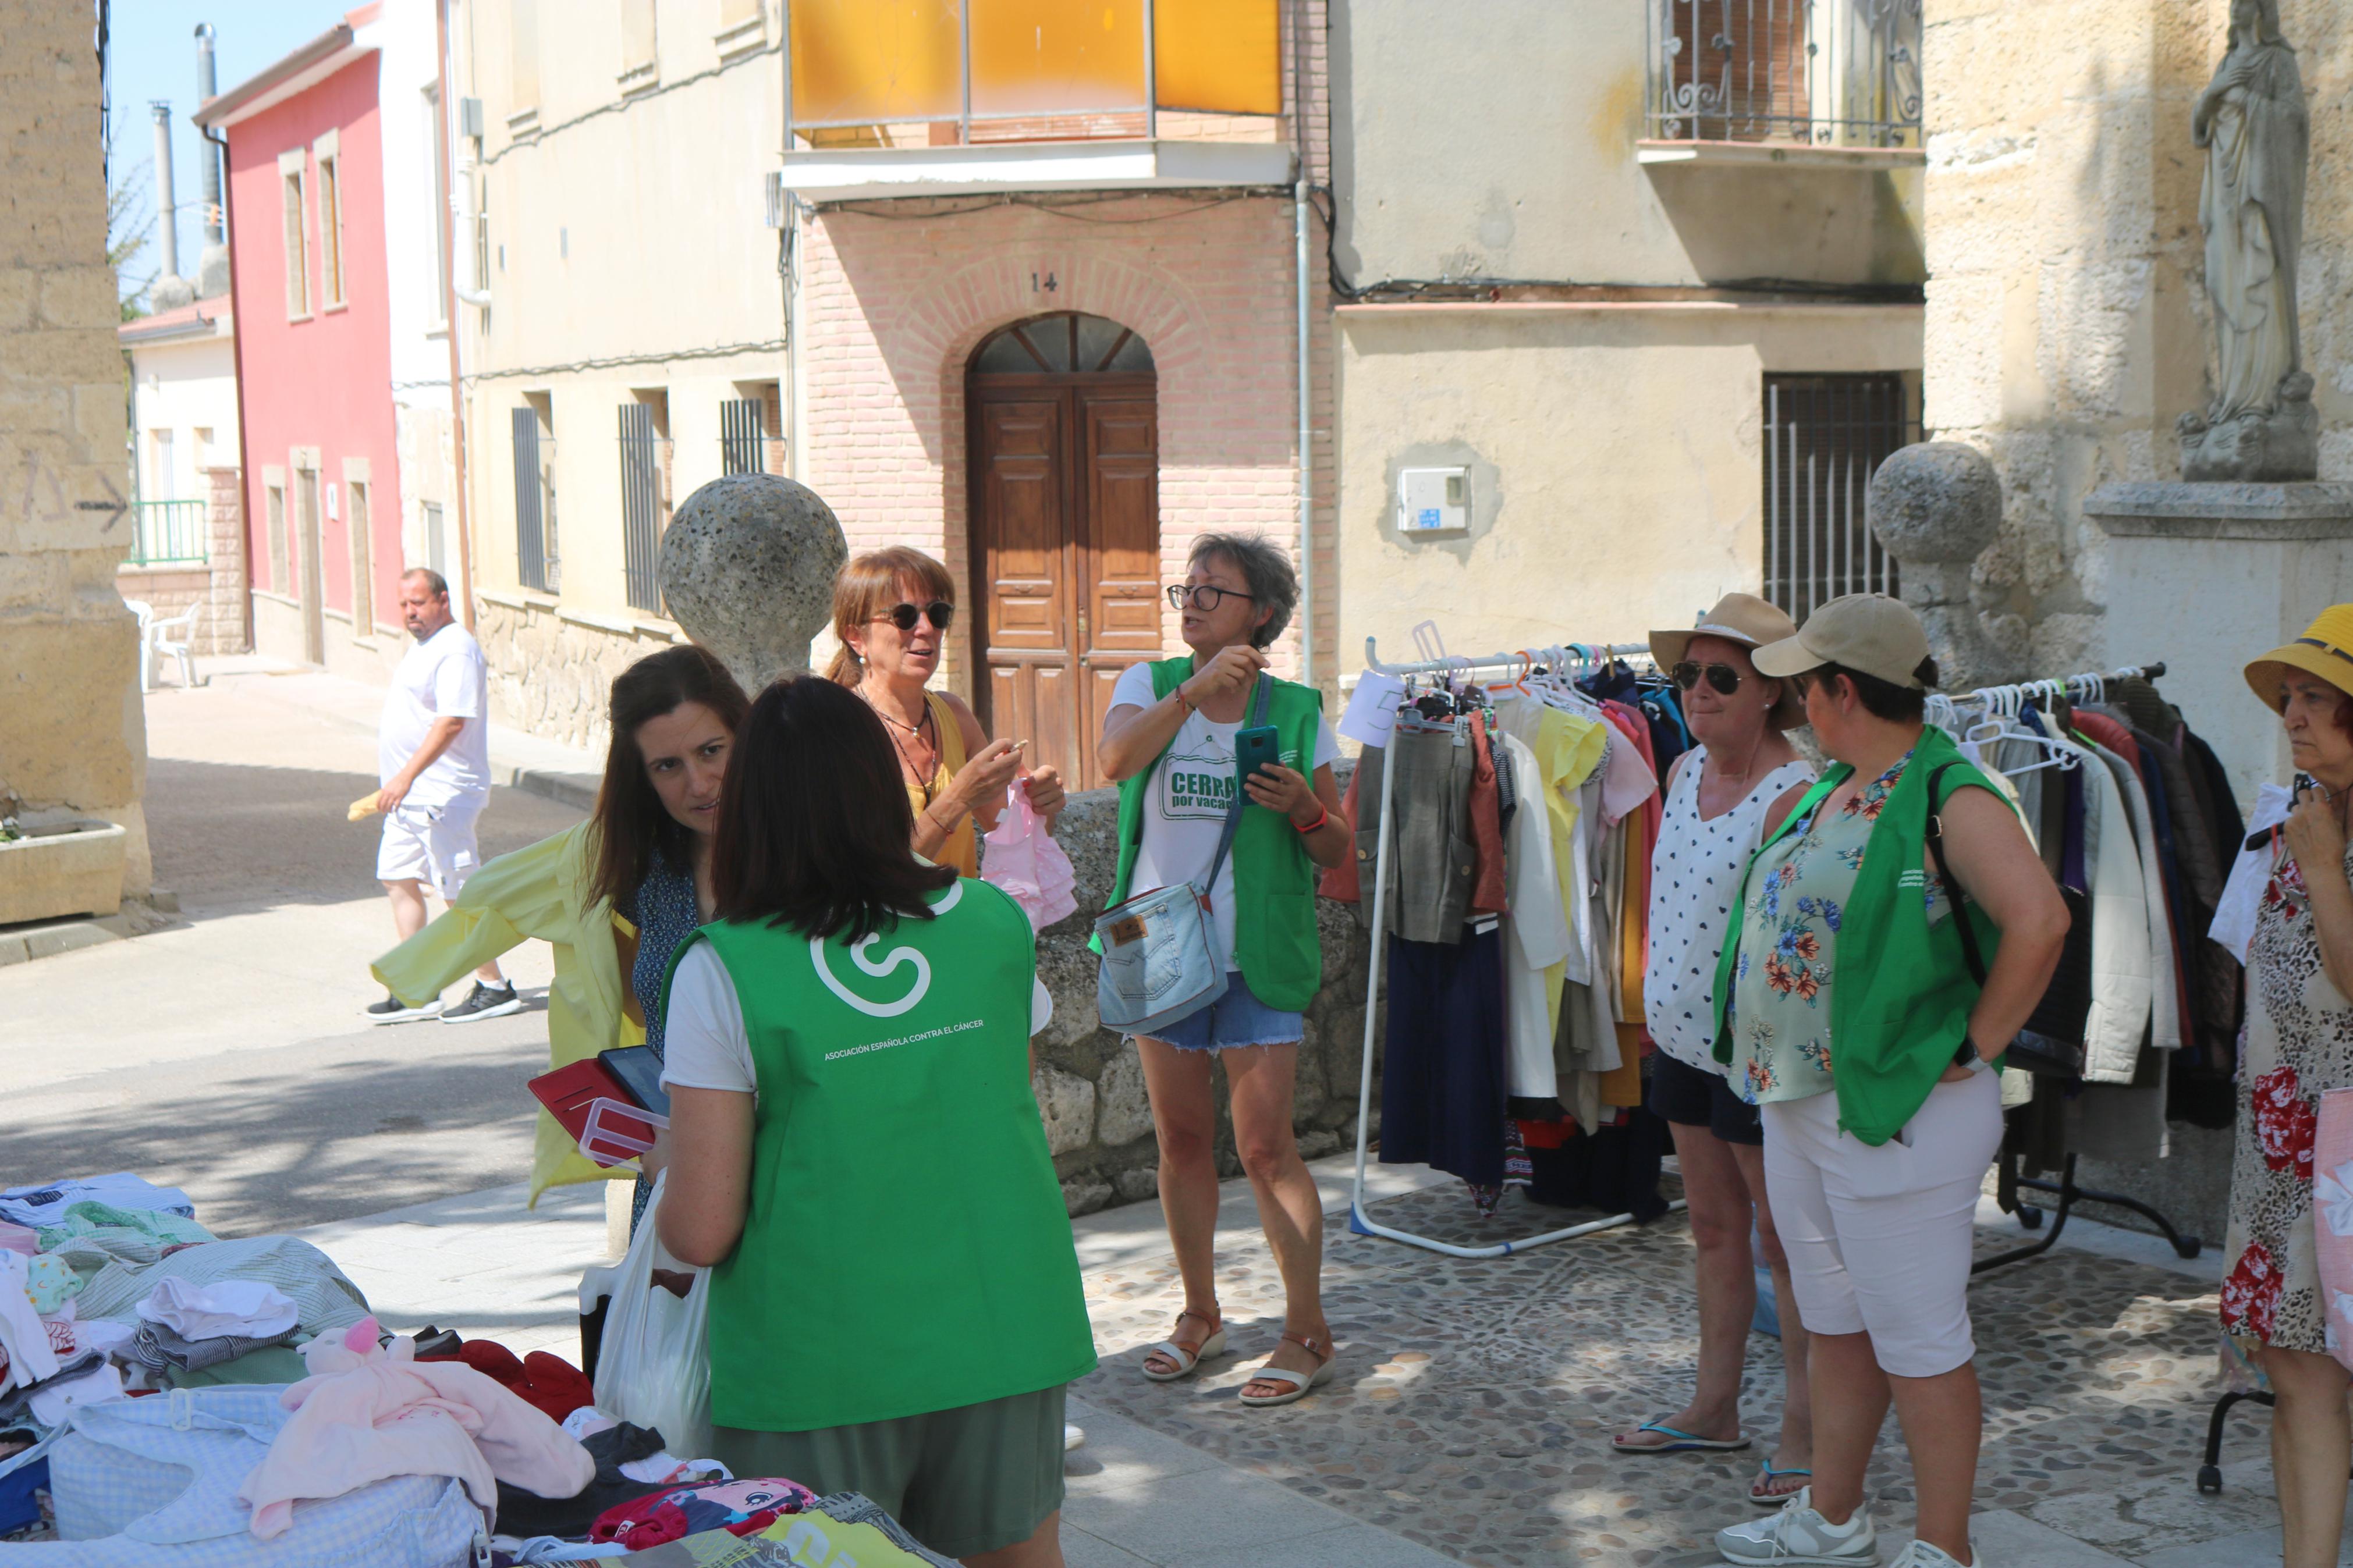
167 209
963 66
447 107
1306 450
1151 75
787 50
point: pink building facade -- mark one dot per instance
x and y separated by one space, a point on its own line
307 241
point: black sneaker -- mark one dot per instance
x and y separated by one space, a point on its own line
393 1010
484 1002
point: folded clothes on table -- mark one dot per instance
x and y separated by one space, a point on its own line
323 1300
158 1346
250 1308
39 1203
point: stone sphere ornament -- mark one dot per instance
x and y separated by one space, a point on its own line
1936 506
747 569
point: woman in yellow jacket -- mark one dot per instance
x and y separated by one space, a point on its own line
615 896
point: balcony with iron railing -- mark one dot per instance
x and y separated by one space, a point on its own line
168 533
1807 82
956 96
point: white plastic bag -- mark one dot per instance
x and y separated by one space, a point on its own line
654 1366
1023 859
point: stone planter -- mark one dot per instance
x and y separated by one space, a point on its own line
71 868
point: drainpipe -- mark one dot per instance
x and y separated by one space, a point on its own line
447 107
1307 455
245 475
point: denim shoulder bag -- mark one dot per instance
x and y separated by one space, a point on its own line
1159 958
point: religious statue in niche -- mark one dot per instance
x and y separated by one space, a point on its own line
2253 123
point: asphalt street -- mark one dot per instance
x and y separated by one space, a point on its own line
226 1054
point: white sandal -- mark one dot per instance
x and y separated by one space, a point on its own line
1303 1384
1188 1357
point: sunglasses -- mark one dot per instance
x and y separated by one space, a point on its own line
1205 597
939 612
1723 678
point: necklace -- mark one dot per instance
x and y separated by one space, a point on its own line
929 783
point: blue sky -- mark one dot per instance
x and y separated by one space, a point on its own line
155 57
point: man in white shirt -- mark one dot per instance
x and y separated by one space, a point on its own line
433 756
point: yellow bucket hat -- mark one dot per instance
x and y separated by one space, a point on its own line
2326 649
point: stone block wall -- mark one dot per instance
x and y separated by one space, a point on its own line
1090 1082
74 735
551 668
2067 318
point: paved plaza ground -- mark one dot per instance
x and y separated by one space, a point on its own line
1471 1418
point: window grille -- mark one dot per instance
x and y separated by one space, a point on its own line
531 531
641 507
1825 436
742 436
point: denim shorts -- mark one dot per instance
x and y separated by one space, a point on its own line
1236 1019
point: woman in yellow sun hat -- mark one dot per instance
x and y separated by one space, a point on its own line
2297 1047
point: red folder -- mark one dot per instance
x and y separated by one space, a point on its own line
569 1092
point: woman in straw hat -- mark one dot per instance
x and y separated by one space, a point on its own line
1860 1001
2298 1046
1724 798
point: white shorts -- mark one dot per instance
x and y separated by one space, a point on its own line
430 844
1879 1239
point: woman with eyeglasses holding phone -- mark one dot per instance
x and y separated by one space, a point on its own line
1725 796
1171 740
892 611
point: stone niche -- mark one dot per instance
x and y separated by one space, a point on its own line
1089 1080
2206 575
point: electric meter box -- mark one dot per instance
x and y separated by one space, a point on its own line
1433 501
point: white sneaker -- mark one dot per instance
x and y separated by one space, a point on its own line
1073 1437
1799 1534
1920 1554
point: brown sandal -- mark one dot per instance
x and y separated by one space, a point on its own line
1188 1357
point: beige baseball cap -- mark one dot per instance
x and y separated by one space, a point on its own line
1866 632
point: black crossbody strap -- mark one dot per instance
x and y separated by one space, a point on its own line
1969 952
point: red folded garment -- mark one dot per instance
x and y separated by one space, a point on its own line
547 1381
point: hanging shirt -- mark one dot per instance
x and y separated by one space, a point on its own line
1540 934
1185 809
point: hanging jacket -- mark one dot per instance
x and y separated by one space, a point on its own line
1902 1002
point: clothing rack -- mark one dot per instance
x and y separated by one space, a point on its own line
2008 700
1521 659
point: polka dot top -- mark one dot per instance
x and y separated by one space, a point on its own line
1694 877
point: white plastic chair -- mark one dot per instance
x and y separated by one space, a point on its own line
161 638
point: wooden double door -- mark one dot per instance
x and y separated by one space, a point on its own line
1065 554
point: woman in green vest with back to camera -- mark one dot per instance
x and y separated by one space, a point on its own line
856 1153
1863 1013
1168 741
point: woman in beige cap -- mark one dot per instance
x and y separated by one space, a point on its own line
2298 1046
1724 798
1861 1008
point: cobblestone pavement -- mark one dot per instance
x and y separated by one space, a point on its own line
1476 1398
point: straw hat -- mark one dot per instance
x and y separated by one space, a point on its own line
1752 623
2326 649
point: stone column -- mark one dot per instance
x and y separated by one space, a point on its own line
224 629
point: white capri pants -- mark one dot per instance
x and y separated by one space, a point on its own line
431 843
1879 1239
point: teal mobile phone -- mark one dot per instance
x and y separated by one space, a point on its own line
1254 748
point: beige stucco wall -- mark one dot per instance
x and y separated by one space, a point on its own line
626 253
1616 461
72 730
1506 150
2067 319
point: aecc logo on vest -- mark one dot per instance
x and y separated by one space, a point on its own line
861 954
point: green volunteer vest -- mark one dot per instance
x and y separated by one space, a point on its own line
1274 881
906 1247
1901 1001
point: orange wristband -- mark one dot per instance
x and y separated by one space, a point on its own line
1322 817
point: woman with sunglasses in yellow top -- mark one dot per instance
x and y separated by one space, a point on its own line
892 611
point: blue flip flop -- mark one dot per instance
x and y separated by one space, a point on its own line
1767 1474
1683 1443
